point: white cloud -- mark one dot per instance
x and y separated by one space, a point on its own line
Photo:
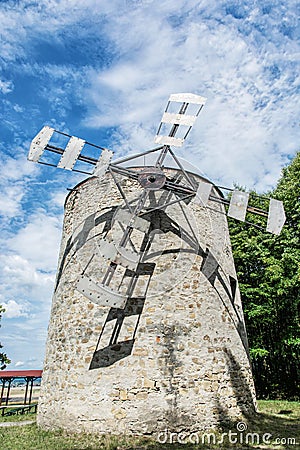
58 199
38 241
14 309
10 202
20 273
20 24
6 86
14 177
19 364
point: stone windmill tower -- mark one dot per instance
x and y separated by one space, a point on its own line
146 330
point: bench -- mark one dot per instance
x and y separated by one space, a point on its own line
18 409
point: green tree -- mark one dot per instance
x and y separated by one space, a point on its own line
3 357
268 269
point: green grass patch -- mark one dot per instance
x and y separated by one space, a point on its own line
18 417
276 427
281 408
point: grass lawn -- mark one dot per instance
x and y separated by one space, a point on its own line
276 427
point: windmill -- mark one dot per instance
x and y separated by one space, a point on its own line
151 179
126 264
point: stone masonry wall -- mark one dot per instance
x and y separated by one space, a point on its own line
184 365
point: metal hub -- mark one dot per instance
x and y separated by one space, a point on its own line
152 178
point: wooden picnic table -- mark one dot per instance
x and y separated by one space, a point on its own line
17 409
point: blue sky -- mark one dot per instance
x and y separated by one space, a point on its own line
103 71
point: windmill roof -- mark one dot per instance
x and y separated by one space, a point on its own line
169 162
